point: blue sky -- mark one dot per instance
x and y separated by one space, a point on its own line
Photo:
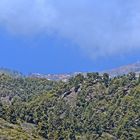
50 36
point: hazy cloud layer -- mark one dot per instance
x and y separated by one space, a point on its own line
99 27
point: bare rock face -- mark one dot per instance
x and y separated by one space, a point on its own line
71 96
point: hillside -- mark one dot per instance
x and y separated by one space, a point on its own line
9 72
10 131
83 108
125 69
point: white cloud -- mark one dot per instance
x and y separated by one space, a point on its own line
27 16
99 27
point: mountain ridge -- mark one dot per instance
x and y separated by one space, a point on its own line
125 69
134 67
95 107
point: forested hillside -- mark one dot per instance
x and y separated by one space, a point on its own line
91 107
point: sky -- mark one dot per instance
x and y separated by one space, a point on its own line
51 36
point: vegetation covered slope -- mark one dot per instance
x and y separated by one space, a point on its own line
90 108
14 132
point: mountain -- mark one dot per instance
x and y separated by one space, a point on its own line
135 67
10 72
55 77
125 69
94 107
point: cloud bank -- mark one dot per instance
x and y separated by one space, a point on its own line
100 28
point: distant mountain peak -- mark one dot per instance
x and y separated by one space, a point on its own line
10 72
135 67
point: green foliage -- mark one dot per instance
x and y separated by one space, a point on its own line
15 132
91 107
